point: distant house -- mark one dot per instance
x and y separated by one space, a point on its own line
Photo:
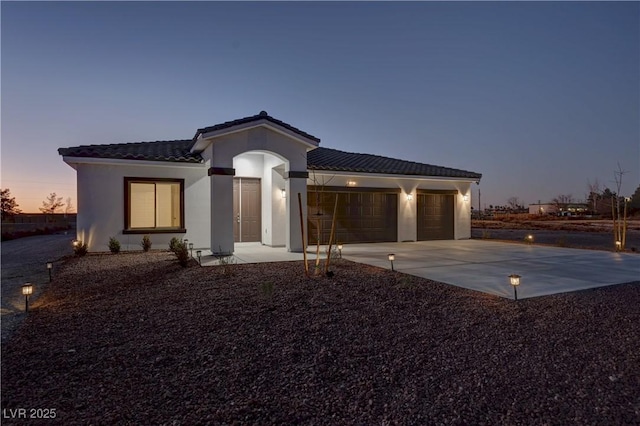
568 209
239 181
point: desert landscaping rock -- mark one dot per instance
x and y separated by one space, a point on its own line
136 339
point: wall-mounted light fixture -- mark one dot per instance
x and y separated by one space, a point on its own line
27 290
199 254
284 193
391 258
409 196
351 183
49 268
465 197
515 282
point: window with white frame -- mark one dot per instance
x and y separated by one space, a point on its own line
154 204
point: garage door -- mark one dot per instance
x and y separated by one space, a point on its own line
362 217
435 216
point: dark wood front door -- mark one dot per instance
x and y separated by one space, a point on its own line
435 217
247 210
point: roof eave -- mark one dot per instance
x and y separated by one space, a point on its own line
203 139
393 175
74 160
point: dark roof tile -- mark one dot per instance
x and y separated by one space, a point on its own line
173 151
327 159
262 116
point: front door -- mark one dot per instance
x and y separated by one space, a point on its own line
247 210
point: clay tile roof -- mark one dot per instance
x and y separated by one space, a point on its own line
174 151
327 159
261 116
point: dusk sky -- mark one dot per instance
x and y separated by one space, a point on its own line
538 97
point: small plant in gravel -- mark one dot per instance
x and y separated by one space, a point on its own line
146 243
174 244
486 234
182 253
562 242
80 249
114 245
225 260
266 289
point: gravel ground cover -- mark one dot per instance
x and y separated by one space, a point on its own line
135 339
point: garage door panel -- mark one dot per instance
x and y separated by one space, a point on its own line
435 217
361 217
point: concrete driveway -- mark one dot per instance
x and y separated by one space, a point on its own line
485 265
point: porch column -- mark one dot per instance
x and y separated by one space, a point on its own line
295 182
221 209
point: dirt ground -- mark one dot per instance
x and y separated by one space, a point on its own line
588 234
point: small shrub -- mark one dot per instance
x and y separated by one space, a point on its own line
266 289
174 244
114 245
562 242
182 253
146 243
486 234
80 249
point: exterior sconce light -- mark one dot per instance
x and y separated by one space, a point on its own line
199 254
392 257
191 249
465 197
340 250
27 290
409 196
284 193
529 238
49 268
515 282
618 245
351 183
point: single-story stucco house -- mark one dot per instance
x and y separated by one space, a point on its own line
239 182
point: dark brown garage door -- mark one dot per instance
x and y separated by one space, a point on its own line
362 217
435 217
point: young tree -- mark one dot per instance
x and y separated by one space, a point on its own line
561 201
9 205
513 203
70 207
594 194
52 204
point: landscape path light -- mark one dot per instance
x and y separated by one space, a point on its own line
618 245
199 254
392 257
75 243
514 279
530 239
49 268
191 249
27 290
340 250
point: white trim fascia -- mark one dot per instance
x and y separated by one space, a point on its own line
389 176
251 125
119 162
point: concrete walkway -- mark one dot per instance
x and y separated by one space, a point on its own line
477 264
